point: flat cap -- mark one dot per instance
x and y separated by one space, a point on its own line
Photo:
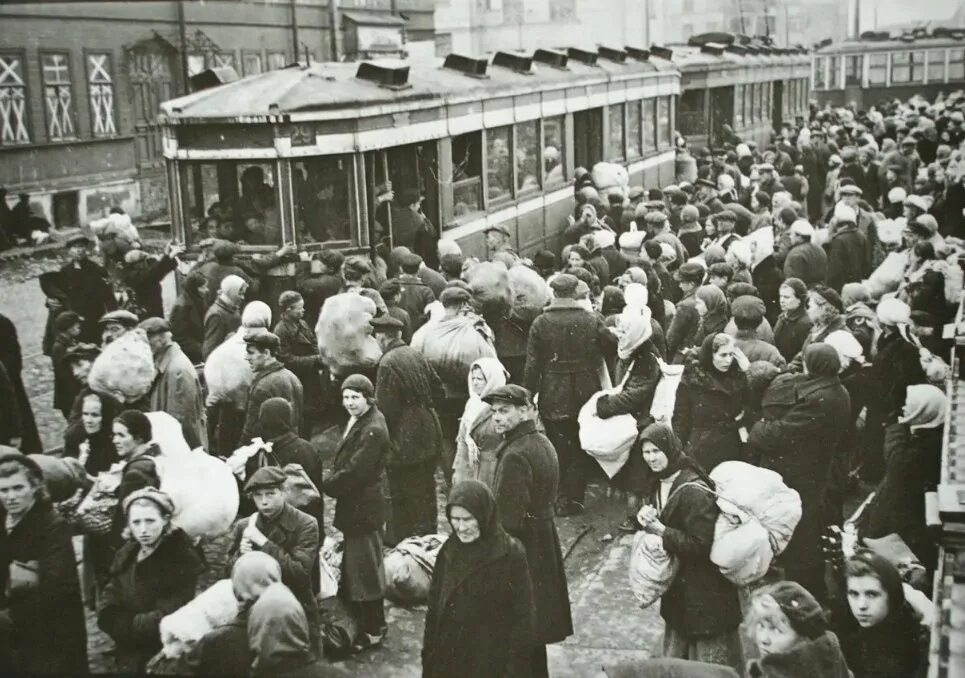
690 272
390 288
155 326
564 284
386 322
725 215
705 182
928 223
266 477
909 141
850 189
499 228
916 201
79 240
689 214
120 317
510 393
67 319
409 259
747 307
656 217
82 352
636 193
263 339
454 295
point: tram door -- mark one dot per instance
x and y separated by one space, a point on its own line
777 104
588 137
721 111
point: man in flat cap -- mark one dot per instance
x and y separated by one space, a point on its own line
406 389
290 536
566 346
272 379
499 239
176 389
83 287
116 324
415 295
525 487
852 196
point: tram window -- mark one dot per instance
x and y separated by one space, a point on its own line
690 112
588 137
694 111
956 64
664 133
320 189
900 67
615 149
852 70
877 69
634 129
233 200
467 173
499 171
917 66
527 157
554 151
738 106
936 65
834 73
818 75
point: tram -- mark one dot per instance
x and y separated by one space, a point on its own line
879 66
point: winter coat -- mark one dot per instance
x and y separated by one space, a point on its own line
86 291
433 279
808 262
216 271
299 353
791 332
816 335
668 668
66 385
756 350
358 475
139 594
684 330
144 279
767 278
315 291
527 477
810 658
293 540
705 414
414 298
488 440
48 630
636 396
224 651
406 389
274 381
177 391
10 422
220 322
510 337
804 421
565 352
849 257
187 324
12 361
700 601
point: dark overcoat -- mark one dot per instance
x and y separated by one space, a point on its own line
49 634
275 381
808 262
144 278
791 332
187 324
299 353
848 257
12 360
86 291
527 477
220 321
414 298
705 414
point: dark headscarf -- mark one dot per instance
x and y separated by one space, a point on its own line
278 633
797 286
718 310
821 360
102 451
661 435
274 419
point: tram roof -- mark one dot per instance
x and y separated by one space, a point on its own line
889 45
322 86
692 58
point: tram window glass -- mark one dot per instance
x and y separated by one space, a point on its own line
936 65
588 137
877 69
917 66
499 171
615 149
634 129
738 105
467 174
527 157
664 133
233 200
901 67
956 64
834 74
692 117
818 75
322 196
852 70
554 151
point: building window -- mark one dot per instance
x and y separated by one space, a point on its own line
634 130
852 72
223 60
877 69
615 150
251 63
13 101
554 151
834 74
527 157
100 87
467 174
817 75
277 60
57 97
917 66
499 171
650 121
195 64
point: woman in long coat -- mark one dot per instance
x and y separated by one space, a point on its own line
701 608
711 402
480 617
805 419
793 325
477 441
40 602
356 482
299 353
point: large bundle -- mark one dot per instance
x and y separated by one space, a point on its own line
529 289
606 440
63 476
608 175
888 275
452 346
115 227
491 287
409 566
202 487
345 336
125 368
227 372
652 569
182 629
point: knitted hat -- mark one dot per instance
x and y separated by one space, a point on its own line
829 296
164 503
360 383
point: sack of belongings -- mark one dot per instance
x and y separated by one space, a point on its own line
530 291
607 440
344 335
491 288
652 569
227 373
409 566
63 476
124 370
609 175
183 629
452 346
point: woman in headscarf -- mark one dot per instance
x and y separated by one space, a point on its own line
805 420
299 353
701 608
879 631
478 443
793 325
713 309
479 622
825 310
711 402
187 315
913 448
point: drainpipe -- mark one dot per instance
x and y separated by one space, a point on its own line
183 37
294 21
333 17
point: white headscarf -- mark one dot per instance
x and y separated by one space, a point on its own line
848 348
926 407
495 375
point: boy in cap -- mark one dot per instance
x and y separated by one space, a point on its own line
272 379
415 295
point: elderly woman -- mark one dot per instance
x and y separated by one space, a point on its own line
40 606
713 309
154 574
299 353
480 617
478 443
356 482
793 325
700 608
711 402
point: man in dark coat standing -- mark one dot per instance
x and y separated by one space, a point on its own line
12 361
848 253
416 295
85 289
272 379
805 260
527 476
565 352
406 389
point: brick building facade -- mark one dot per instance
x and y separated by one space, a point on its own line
80 84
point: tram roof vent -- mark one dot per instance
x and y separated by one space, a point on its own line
384 76
515 62
551 58
736 49
583 56
470 66
715 48
907 37
638 54
616 55
661 52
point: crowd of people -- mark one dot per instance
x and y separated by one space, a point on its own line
802 286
